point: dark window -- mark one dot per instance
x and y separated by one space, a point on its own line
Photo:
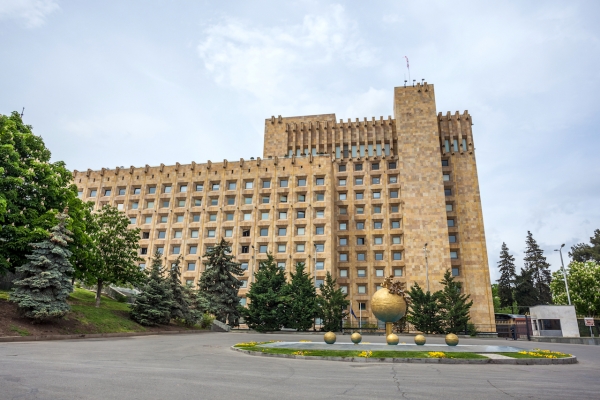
342 168
549 324
452 238
144 250
374 166
246 233
245 249
448 192
264 231
445 163
392 165
360 241
145 235
358 167
450 222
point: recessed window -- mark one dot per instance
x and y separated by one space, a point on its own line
375 180
183 188
263 248
378 255
358 167
230 201
378 240
300 231
177 234
266 184
319 283
282 215
396 240
148 219
229 217
283 183
362 289
320 181
343 226
395 224
376 209
245 249
360 210
152 190
283 198
145 235
199 187
231 185
448 192
342 182
211 233
343 273
121 192
162 234
281 231
301 214
454 255
93 193
379 272
301 198
360 225
343 241
445 163
244 284
361 257
393 179
455 271
359 195
376 195
180 203
195 217
392 165
194 234
377 225
248 184
397 255
320 196
375 166
394 208
212 217
248 200
176 250
319 247
246 233
342 167
214 201
343 256
215 186
452 238
143 250
264 216
446 177
450 222
393 194
301 181
197 202
281 248
191 266
360 241
397 271
344 289
228 232
149 204
358 181
343 210
265 199
165 204
320 265
137 190
164 219
160 250
449 207
107 192
342 196
247 216
320 214
300 248
319 230
244 266
264 231
167 189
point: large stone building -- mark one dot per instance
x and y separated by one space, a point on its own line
361 199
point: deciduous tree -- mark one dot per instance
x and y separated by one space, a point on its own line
583 252
584 287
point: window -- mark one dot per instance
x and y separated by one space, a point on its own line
281 265
281 248
359 195
301 214
194 234
378 240
149 204
137 190
283 183
301 181
393 179
142 265
358 181
281 231
195 217
320 181
393 194
263 248
229 217
395 239
360 210
248 200
395 208
301 231
107 192
245 249
375 180
214 201
397 255
164 219
93 193
191 266
244 266
167 189
378 255
343 241
215 186
362 289
450 222
360 241
360 225
342 196
177 234
397 271
454 255
361 257
197 202
152 190
320 196
343 273
248 184
80 193
344 289
449 207
247 216
319 248
375 166
242 301
377 225
455 271
183 188
343 226
266 184
452 238
446 177
300 248
189 283
165 204
395 224
264 216
228 233
199 187
342 182
283 198
211 233
212 217
376 195
343 210
320 214
301 198
320 265
145 235
358 167
319 230
319 283
342 168
343 256
160 250
230 201
121 192
144 250
392 165
264 231
148 219
231 185
180 203
282 215
448 192
176 250
265 199
244 284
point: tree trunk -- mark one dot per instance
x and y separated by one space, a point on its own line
98 293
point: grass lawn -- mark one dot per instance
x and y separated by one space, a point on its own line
3 295
536 353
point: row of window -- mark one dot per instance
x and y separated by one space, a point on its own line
228 232
454 145
360 225
375 194
377 256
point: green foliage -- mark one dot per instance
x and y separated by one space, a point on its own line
266 307
219 283
526 294
424 310
584 287
332 305
31 190
536 262
113 254
454 306
506 265
182 307
206 321
300 299
154 304
42 292
583 252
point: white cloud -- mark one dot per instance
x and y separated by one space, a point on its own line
118 125
32 13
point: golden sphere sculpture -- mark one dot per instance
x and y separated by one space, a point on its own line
329 338
451 339
392 339
356 338
420 340
388 307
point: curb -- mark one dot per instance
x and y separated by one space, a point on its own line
93 336
513 361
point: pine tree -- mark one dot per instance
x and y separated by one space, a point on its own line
583 252
42 292
526 294
332 305
153 304
266 308
454 306
182 308
219 284
506 265
536 262
423 312
300 300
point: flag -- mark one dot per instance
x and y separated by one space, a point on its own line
352 313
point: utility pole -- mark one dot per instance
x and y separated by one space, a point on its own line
564 272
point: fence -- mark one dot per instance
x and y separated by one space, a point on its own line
584 331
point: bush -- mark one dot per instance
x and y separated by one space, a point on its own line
120 298
472 329
206 321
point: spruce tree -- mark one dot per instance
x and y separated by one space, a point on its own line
454 306
536 262
506 265
583 252
423 312
42 292
265 312
526 294
219 283
301 300
332 305
153 304
182 307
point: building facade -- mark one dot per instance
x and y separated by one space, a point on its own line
359 199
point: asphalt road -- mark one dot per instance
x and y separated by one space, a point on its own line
202 366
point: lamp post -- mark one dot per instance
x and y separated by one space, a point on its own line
426 266
564 272
253 263
315 274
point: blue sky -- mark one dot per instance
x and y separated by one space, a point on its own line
147 82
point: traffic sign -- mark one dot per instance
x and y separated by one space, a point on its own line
589 321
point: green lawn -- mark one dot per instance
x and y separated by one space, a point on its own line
537 354
3 295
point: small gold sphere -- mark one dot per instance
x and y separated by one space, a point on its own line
388 307
451 339
420 340
356 338
392 339
329 338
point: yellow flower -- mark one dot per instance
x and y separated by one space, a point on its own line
298 353
437 354
305 341
366 354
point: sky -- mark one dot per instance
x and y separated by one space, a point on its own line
120 83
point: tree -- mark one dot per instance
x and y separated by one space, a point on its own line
219 283
526 294
82 224
584 287
536 262
583 252
265 312
454 306
114 251
423 312
182 308
31 190
332 305
46 279
300 299
506 265
154 303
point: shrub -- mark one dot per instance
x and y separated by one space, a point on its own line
206 321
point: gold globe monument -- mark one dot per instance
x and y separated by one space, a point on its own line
389 305
329 338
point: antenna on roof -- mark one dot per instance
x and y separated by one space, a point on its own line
22 112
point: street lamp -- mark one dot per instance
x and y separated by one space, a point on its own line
563 271
315 274
426 266
253 263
